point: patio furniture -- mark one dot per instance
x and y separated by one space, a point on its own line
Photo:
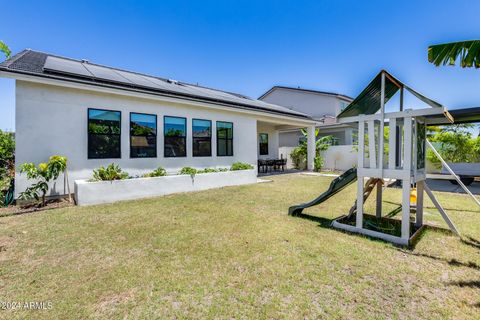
262 166
271 165
280 164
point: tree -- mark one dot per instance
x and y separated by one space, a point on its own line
43 174
5 49
448 54
455 144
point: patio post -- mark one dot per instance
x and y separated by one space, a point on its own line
310 147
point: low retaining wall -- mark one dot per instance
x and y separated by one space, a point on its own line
87 193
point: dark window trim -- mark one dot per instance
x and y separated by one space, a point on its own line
216 131
260 143
193 137
156 134
184 137
100 134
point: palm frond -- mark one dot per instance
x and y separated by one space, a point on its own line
449 53
5 49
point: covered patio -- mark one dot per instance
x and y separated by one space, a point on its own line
268 157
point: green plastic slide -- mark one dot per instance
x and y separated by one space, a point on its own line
336 185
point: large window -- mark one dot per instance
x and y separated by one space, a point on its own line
263 141
202 138
224 138
104 129
175 132
143 135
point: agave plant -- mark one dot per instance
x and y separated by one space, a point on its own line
448 54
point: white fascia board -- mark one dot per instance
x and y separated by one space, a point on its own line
164 98
400 114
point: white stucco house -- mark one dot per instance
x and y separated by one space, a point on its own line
96 115
323 107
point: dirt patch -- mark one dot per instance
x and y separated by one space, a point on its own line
108 304
51 204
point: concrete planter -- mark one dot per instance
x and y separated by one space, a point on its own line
87 193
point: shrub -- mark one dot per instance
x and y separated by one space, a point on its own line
317 163
44 173
298 156
207 170
188 170
159 172
240 166
7 163
111 172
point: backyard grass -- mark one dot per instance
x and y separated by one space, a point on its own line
234 253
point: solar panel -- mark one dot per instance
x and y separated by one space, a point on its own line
66 66
106 74
78 68
139 80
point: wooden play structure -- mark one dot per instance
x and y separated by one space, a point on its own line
401 157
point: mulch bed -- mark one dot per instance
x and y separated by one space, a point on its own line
32 208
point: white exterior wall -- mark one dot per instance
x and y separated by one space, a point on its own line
273 140
340 157
335 158
53 120
313 104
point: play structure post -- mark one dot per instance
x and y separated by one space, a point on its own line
310 147
360 163
379 199
419 209
406 181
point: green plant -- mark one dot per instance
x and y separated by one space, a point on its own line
317 163
207 170
111 172
448 53
299 153
44 173
159 172
7 162
240 166
298 156
5 49
188 170
455 144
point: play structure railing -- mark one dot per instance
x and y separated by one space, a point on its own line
396 157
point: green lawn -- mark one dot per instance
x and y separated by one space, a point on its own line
234 253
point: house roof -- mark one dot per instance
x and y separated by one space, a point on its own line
368 101
337 95
45 65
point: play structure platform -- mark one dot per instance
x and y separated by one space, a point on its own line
391 146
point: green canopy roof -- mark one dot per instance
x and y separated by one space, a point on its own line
368 101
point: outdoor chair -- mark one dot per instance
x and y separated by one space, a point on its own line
280 164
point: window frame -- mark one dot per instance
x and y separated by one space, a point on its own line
156 135
260 144
88 134
226 139
193 138
184 137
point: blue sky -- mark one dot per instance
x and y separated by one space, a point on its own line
249 46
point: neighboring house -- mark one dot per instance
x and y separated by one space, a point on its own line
97 115
324 108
